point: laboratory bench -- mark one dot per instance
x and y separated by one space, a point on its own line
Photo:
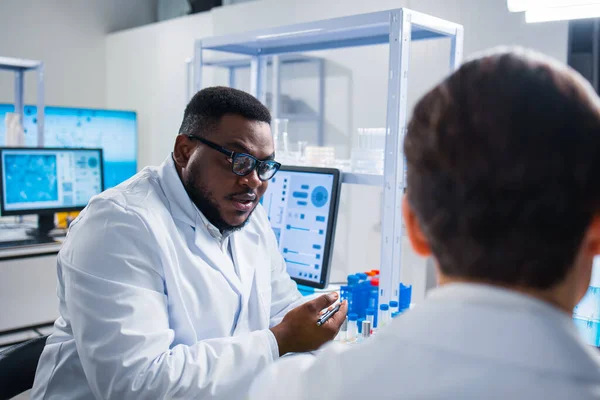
28 281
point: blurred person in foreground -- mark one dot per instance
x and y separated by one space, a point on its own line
503 192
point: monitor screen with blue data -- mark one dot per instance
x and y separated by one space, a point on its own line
586 314
113 131
43 180
302 205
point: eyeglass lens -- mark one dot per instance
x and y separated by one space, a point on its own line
243 165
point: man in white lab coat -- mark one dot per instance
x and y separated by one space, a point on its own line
171 285
504 191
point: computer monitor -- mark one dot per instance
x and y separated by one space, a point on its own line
44 181
302 205
114 131
586 314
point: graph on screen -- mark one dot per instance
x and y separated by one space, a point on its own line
297 204
586 314
113 131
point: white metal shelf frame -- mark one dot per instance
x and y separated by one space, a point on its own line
233 65
19 67
397 27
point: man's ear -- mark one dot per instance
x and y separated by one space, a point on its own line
184 147
413 229
592 237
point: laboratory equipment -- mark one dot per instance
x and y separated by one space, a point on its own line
586 315
352 332
19 66
342 334
45 181
366 329
320 156
395 314
393 307
405 295
115 132
302 144
371 316
302 204
359 322
368 157
398 28
280 136
384 315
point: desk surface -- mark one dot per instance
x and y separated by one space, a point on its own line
19 233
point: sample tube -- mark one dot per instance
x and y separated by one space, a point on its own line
394 307
384 315
362 276
395 314
352 332
371 316
359 324
366 329
343 333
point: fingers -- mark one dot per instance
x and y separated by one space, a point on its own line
339 317
324 301
331 307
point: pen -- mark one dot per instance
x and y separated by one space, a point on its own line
328 314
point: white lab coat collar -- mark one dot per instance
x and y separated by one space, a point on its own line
181 206
551 334
243 243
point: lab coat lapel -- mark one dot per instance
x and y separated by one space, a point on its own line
214 256
245 248
183 209
180 205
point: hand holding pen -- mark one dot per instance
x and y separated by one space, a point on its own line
299 332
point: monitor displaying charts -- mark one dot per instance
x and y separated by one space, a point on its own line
113 131
586 314
302 204
37 180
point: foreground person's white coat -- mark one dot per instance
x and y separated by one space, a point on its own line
468 342
152 308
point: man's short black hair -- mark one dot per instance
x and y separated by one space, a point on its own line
503 172
209 105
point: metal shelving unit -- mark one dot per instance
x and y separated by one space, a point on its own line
276 62
397 28
19 67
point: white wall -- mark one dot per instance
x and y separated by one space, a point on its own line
69 36
145 72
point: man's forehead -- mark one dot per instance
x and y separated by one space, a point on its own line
245 135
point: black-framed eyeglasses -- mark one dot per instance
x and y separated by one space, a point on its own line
243 164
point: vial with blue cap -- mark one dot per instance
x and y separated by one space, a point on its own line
352 330
371 316
394 307
384 315
352 289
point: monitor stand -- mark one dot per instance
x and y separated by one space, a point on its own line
37 236
45 225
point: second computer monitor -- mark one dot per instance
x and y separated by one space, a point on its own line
43 180
302 205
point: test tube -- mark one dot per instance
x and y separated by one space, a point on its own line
384 315
361 277
343 333
394 307
352 332
359 324
371 316
366 329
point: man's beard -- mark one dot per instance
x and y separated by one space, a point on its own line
204 200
